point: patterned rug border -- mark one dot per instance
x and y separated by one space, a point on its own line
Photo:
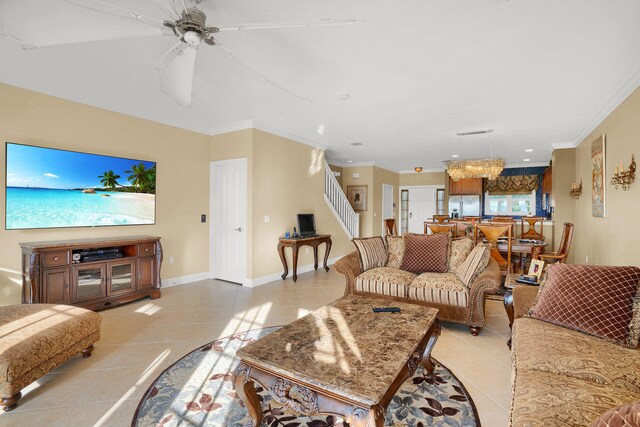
146 393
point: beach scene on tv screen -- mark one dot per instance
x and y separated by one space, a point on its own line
49 188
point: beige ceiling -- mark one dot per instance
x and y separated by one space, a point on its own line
539 72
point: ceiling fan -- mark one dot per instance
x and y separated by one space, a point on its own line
186 22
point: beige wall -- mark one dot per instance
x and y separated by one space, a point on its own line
182 179
563 175
366 178
285 178
383 176
288 179
423 178
611 240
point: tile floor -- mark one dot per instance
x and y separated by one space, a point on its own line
141 339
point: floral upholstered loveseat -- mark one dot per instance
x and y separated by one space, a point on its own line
568 366
443 289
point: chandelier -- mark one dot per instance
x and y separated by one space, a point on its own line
483 168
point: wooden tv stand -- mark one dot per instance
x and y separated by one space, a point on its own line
60 272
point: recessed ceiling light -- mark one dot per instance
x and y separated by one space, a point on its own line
528 150
349 161
455 156
343 96
526 160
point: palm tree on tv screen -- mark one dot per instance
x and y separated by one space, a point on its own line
143 179
109 179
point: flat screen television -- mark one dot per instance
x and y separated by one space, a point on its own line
51 188
307 225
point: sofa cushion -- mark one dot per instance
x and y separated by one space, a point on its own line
597 300
385 281
425 253
441 288
476 262
545 347
623 416
546 399
372 252
395 251
459 250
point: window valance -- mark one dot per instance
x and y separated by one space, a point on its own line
516 184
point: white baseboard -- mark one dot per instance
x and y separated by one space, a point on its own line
249 283
181 280
252 283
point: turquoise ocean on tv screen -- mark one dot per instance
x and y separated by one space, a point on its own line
47 208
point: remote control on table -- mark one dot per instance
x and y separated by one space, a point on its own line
386 309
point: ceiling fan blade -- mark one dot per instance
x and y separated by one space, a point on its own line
111 9
251 68
176 78
25 46
56 22
309 24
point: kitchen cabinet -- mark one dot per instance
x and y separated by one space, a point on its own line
465 186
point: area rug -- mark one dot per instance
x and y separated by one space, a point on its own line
197 391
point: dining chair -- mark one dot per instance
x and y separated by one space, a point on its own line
390 226
506 218
560 256
531 232
463 228
491 232
441 218
439 227
473 218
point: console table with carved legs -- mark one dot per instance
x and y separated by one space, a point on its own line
295 243
379 352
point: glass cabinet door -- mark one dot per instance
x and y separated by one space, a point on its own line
88 282
121 277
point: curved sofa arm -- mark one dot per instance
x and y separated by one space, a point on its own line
523 298
349 266
488 282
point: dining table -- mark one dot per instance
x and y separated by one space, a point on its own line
523 246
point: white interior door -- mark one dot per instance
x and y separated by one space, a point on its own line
387 205
422 207
228 226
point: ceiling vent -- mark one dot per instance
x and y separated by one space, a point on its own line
356 144
475 132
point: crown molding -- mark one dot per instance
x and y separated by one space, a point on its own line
526 165
621 94
561 145
231 127
288 135
353 164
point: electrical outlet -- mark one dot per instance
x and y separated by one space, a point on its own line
170 259
267 219
203 218
586 259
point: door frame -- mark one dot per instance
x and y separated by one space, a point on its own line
393 213
243 163
417 187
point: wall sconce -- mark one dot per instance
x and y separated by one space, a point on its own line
576 190
418 169
624 178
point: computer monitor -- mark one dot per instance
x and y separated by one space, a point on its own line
306 225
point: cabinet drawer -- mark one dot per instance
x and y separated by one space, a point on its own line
146 249
54 259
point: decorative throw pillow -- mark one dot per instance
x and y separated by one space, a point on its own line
473 265
425 253
459 250
593 299
622 416
395 251
372 252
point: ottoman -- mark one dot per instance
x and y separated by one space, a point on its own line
37 338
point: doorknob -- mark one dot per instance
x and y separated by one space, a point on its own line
237 229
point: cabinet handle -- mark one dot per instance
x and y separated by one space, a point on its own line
56 258
146 249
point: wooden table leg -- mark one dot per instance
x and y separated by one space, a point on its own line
508 307
245 388
374 417
315 257
326 254
295 262
284 261
427 363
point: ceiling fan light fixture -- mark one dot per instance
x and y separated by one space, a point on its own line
192 38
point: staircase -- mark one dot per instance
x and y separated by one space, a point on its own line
339 205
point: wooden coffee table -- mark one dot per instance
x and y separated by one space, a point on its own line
342 359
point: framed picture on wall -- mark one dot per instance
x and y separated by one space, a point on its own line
598 162
357 195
